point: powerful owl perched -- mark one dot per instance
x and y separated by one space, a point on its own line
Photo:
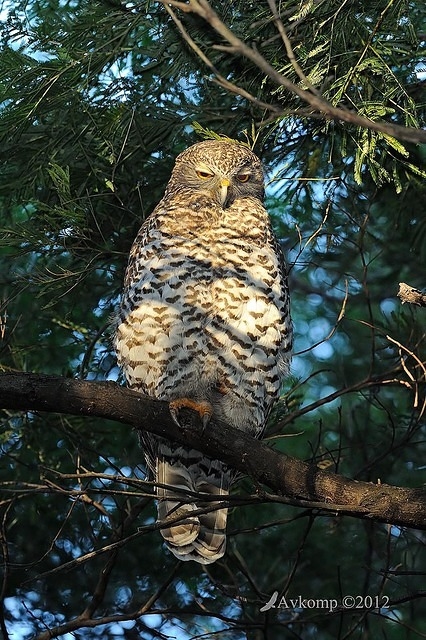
204 323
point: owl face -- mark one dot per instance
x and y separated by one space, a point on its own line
224 171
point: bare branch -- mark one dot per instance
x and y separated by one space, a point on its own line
284 475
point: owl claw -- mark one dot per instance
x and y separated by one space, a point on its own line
204 410
174 413
206 418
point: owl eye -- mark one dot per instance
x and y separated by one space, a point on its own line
204 175
243 177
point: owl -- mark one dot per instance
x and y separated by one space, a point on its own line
204 324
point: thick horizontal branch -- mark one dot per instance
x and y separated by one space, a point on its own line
282 474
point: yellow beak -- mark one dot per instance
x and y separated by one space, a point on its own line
223 192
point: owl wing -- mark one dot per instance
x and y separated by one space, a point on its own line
193 528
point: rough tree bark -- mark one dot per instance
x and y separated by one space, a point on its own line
305 483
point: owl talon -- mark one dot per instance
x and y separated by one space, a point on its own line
206 419
204 410
174 413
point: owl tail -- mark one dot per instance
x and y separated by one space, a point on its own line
193 536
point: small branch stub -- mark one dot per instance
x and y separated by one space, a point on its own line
411 295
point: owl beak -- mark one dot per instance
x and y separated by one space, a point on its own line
223 190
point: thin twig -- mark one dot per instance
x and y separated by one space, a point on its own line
219 79
289 49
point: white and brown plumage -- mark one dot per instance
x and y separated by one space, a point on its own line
204 323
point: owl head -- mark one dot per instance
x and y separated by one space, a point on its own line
222 170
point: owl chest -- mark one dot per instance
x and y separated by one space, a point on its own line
196 278
190 309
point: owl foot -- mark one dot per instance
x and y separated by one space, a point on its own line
204 409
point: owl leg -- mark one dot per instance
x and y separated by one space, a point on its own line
204 409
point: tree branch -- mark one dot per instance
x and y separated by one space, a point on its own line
284 475
411 295
318 103
219 79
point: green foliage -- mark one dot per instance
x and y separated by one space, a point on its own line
97 98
